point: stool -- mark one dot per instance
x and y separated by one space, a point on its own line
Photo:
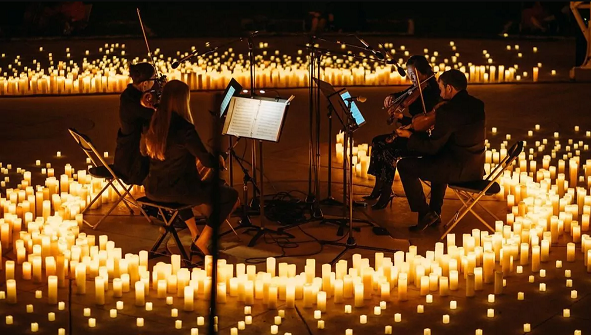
169 213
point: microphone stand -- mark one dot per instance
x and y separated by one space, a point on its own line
348 190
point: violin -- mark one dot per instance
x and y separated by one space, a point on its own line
405 100
421 122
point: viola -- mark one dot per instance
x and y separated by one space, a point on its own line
405 100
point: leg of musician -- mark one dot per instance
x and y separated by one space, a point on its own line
228 202
389 155
412 170
377 165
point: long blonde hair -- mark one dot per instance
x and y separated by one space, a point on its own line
175 99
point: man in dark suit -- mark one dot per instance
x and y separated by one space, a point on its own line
453 153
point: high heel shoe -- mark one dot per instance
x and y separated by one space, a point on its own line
375 193
383 202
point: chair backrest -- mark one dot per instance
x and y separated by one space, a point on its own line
86 145
512 154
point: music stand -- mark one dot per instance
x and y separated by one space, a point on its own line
351 119
262 119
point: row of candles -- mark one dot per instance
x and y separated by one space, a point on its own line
110 75
43 229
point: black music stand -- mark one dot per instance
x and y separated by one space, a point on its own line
262 119
351 119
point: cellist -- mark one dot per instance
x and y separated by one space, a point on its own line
385 152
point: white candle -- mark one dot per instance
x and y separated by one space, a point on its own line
11 291
320 324
139 322
52 290
445 318
566 313
140 299
490 313
178 324
113 313
526 327
51 316
92 322
420 309
99 284
34 327
573 294
397 317
188 302
363 319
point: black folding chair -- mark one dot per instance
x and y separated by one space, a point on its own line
471 192
103 170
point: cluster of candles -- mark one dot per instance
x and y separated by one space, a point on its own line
361 156
40 226
109 74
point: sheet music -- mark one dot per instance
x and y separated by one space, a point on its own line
255 118
242 114
268 121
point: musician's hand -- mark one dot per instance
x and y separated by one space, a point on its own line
403 132
388 101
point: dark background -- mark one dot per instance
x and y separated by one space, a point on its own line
226 18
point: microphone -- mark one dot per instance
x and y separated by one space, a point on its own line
358 99
176 64
378 54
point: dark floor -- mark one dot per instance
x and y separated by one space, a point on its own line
35 128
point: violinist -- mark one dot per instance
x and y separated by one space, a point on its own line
454 152
385 152
133 118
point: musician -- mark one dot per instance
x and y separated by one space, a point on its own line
384 155
133 118
453 153
173 145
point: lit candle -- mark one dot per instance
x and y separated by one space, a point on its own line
526 327
113 313
188 302
445 318
11 291
420 309
490 313
570 252
139 322
363 319
34 327
139 293
52 290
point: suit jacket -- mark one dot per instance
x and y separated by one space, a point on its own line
133 117
177 174
456 143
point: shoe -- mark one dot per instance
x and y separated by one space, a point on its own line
375 193
383 202
427 220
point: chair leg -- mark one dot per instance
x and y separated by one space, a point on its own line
96 197
468 208
229 224
122 196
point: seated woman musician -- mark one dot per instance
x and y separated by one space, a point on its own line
388 148
173 145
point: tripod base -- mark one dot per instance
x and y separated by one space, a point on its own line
352 244
343 224
245 223
330 201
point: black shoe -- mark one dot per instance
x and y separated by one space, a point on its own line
427 220
383 202
375 193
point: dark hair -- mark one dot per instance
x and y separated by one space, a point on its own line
420 63
455 78
141 72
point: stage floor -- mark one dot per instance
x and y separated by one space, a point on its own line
36 128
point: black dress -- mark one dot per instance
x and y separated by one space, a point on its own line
176 178
133 117
383 154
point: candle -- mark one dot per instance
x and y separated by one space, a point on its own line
119 305
570 252
11 291
420 309
9 319
347 309
34 327
274 329
321 301
52 290
174 313
490 313
99 284
29 308
445 318
139 322
566 313
139 293
359 295
397 317
542 287
188 298
113 313
92 322
51 316
178 324
520 296
363 319
317 314
526 327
